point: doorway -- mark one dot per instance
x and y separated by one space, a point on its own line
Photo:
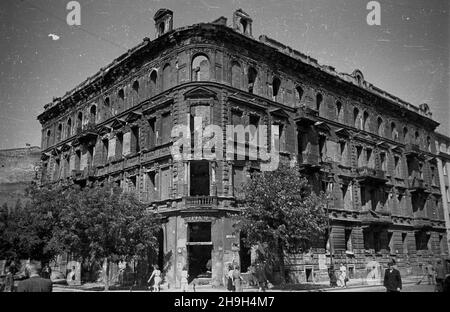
244 254
199 248
199 261
309 274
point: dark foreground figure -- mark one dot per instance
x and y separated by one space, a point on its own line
35 283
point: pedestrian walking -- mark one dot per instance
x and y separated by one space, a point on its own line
34 283
237 279
9 281
430 274
46 271
156 274
230 284
261 277
343 276
332 276
71 276
440 276
184 279
392 278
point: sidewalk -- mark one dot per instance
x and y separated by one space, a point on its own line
307 287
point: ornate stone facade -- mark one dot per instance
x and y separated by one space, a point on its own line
443 161
371 150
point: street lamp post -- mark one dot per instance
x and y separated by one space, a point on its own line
329 196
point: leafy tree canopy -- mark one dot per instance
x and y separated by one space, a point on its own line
281 212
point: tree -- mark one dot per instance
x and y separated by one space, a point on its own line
280 213
103 223
27 229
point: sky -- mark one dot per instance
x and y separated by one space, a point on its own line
407 55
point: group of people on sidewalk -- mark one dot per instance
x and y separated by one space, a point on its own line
340 281
436 275
392 278
38 278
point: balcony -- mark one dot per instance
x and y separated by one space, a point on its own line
89 172
416 185
412 150
421 223
371 217
77 174
309 161
131 162
306 115
204 201
369 175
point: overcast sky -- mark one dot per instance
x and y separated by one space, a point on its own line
408 55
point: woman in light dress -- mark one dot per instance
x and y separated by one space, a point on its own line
157 275
237 279
343 276
184 279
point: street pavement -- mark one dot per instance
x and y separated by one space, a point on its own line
407 287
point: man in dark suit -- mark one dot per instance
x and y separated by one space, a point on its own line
392 279
35 283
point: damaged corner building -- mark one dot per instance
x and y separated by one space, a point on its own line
378 151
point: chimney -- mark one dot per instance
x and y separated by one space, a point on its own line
242 22
163 22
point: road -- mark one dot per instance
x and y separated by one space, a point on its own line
406 288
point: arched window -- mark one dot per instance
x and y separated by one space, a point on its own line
356 118
365 124
416 137
236 75
59 133
49 134
394 133
153 77
136 86
107 103
93 114
244 26
276 83
69 128
121 94
298 95
429 143
162 27
319 99
200 68
358 79
339 111
79 121
166 77
405 135
380 126
252 77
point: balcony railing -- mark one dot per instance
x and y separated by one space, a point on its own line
412 149
201 201
422 222
76 174
306 114
366 174
416 185
376 217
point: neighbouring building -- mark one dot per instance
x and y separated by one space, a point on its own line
373 151
19 167
443 162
